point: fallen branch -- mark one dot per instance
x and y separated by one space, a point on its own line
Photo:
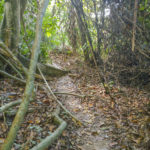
12 113
12 77
22 63
48 70
7 106
11 104
73 94
13 67
61 105
142 52
7 52
50 139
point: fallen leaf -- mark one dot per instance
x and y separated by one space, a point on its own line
64 133
94 133
37 120
90 104
46 101
30 121
51 128
76 109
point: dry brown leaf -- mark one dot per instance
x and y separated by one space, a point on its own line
30 121
46 101
51 128
76 109
37 120
64 133
90 104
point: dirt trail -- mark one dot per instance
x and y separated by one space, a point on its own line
93 136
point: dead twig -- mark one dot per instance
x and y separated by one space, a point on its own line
73 94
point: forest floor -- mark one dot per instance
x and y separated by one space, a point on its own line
122 125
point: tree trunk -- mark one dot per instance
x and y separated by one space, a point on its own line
72 31
10 29
6 24
83 26
30 81
82 30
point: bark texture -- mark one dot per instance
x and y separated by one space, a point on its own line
10 29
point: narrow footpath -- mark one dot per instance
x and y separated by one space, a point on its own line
94 135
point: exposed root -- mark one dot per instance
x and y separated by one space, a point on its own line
11 104
12 77
12 113
51 138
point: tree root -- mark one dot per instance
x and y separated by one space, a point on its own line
12 113
12 66
12 77
7 52
51 138
7 106
11 104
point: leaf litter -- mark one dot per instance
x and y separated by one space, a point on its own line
121 126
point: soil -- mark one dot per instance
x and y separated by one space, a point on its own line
91 137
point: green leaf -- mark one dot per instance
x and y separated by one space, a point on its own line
142 8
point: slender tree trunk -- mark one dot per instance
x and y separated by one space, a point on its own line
82 30
97 27
30 81
78 4
15 25
83 39
10 29
22 7
72 31
6 24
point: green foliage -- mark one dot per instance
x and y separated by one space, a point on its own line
1 9
54 34
28 28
